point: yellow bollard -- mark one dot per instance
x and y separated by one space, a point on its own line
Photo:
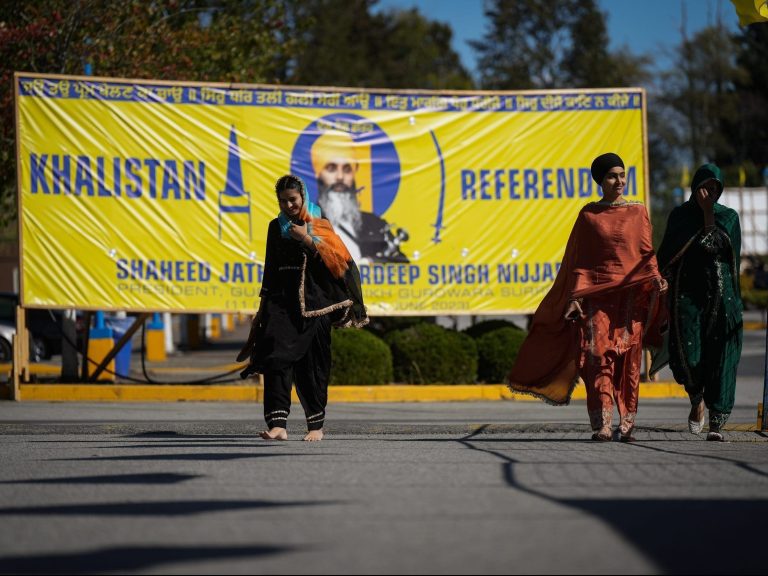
215 326
99 345
156 346
229 322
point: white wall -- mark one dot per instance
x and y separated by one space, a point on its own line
752 206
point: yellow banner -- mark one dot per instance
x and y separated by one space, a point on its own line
148 196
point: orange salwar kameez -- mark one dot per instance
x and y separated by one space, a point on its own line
609 267
611 352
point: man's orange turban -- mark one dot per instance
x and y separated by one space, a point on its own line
335 145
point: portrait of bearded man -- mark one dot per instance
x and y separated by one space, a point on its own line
338 161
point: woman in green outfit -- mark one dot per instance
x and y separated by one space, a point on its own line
700 256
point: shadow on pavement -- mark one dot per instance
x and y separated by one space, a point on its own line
165 445
129 559
160 508
689 536
162 478
203 456
682 536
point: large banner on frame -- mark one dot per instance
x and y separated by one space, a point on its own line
151 196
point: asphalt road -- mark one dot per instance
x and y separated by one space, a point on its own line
478 488
453 488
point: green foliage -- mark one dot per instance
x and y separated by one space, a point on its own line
383 325
482 328
755 299
359 358
589 64
431 354
415 52
497 351
238 41
532 44
700 89
713 106
750 126
350 45
323 42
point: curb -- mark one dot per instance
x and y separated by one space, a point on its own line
251 427
255 393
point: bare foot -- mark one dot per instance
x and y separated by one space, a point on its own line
275 434
314 436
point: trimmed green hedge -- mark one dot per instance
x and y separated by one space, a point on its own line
497 351
431 354
482 328
359 358
755 299
383 325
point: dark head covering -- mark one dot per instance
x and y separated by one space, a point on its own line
602 164
704 173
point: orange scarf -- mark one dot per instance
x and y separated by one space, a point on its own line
329 245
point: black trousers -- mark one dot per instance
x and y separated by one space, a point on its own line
311 373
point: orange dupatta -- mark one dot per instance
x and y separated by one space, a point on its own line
609 248
329 245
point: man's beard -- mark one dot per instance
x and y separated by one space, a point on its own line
339 204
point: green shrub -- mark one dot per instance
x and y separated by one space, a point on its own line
359 357
482 328
431 354
755 299
497 351
383 325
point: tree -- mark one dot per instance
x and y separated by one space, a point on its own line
713 106
227 41
335 48
700 89
533 44
317 42
346 44
415 52
589 63
750 129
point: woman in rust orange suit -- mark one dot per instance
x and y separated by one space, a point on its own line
601 307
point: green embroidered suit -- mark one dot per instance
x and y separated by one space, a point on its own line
705 331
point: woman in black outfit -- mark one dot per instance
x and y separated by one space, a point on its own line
310 284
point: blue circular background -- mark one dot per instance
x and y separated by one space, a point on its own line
385 163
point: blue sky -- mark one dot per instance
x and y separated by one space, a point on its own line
644 26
